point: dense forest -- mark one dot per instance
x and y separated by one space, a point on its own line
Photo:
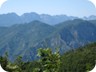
77 60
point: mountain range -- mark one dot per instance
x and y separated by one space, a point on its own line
25 39
12 18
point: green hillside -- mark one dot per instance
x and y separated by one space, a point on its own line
79 60
18 39
25 39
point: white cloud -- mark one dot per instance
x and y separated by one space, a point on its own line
93 1
2 1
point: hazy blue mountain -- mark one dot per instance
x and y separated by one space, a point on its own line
28 17
77 32
25 39
92 17
52 20
12 18
17 39
9 19
93 21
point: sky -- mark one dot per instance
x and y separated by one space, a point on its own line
77 8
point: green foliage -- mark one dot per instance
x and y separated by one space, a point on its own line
7 65
79 60
19 61
4 61
50 62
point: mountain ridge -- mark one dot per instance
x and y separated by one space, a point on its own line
12 18
25 39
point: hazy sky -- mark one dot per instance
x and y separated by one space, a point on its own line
53 7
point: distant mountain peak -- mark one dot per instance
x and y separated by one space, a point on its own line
12 18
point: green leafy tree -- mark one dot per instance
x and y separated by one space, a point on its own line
50 62
4 61
7 65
